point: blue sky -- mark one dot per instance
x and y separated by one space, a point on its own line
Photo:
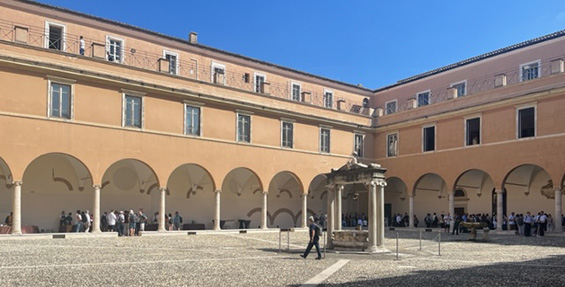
374 43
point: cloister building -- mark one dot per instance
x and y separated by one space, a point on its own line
131 118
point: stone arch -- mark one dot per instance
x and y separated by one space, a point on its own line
317 195
476 185
52 183
191 193
6 194
285 193
528 187
396 193
241 193
430 196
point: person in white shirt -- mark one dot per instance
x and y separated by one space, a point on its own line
111 217
81 45
447 222
528 220
542 224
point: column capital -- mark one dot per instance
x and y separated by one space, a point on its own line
499 191
377 182
265 192
162 188
558 189
97 186
17 182
304 195
218 191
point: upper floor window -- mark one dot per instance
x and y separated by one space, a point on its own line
325 140
287 134
359 144
526 122
133 111
192 120
328 99
259 83
243 128
392 144
115 49
54 36
391 107
473 131
173 61
423 99
218 74
60 100
461 88
295 90
429 138
529 71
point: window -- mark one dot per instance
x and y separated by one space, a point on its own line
132 111
243 128
429 135
359 144
529 71
392 145
473 131
287 134
423 99
218 74
295 89
60 101
390 107
173 61
461 88
54 36
325 140
115 48
259 80
527 122
192 120
328 99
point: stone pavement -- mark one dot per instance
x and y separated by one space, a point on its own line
252 259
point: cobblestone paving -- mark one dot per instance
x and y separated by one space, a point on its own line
252 259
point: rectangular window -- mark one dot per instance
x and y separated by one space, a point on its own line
115 49
243 128
132 111
173 61
473 131
429 141
259 80
287 134
461 88
218 74
295 92
60 101
359 144
325 140
55 34
529 71
527 122
392 145
423 99
192 120
328 99
390 107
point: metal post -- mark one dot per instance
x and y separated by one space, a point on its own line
397 246
324 245
280 241
439 244
420 239
288 240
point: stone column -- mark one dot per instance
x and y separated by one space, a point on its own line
264 211
410 210
338 192
331 217
557 219
452 209
304 210
373 216
96 210
217 210
162 209
381 213
499 211
17 208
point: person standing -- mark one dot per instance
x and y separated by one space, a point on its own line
81 45
111 220
121 222
177 221
78 217
542 225
314 232
142 221
528 219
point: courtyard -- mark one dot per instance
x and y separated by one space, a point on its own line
253 259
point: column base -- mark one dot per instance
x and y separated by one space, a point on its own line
16 233
161 230
377 249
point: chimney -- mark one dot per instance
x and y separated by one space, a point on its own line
193 37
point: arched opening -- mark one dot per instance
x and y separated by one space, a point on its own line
191 193
430 197
317 196
53 183
285 193
6 194
130 184
472 192
529 188
395 201
241 198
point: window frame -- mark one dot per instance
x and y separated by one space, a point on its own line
518 127
255 87
388 154
325 100
424 137
61 81
213 71
171 53
320 144
395 101
537 63
141 95
122 49
465 128
63 27
362 135
291 123
459 83
428 92
193 105
292 84
247 114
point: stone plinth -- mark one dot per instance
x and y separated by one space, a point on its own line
351 240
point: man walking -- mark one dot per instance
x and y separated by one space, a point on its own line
314 232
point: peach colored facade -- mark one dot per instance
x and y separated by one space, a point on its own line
128 137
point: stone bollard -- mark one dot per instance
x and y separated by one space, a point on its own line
486 230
